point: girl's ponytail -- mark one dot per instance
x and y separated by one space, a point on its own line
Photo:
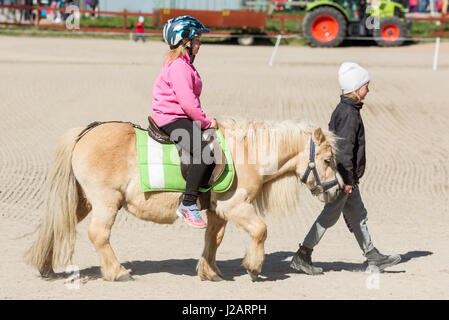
353 95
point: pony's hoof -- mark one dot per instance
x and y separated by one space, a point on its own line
48 274
125 277
254 275
216 279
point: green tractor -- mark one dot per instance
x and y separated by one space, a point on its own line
329 22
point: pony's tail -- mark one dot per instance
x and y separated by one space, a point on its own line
55 243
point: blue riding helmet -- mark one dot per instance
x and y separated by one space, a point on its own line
182 27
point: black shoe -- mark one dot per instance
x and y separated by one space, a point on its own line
381 261
302 261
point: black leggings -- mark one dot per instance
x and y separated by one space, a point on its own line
200 170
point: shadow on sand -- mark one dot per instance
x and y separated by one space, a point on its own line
276 267
366 42
369 42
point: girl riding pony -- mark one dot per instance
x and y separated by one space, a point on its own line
177 108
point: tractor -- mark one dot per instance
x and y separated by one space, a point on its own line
329 22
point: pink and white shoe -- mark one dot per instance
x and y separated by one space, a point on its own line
191 215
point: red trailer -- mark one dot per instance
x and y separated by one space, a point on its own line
246 20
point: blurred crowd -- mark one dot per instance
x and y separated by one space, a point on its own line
24 16
21 16
424 6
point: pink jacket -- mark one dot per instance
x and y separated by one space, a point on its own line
176 94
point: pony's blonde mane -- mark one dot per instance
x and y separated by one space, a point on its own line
282 194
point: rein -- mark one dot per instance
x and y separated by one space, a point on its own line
92 125
319 187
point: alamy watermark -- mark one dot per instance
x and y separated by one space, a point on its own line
73 20
372 282
260 149
373 17
73 281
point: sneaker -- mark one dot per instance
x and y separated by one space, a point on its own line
302 261
191 215
381 261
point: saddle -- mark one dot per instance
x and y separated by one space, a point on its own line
157 134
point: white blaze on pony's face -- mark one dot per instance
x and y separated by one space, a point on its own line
317 166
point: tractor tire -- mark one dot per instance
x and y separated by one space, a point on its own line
391 32
325 27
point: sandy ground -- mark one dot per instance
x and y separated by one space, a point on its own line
49 85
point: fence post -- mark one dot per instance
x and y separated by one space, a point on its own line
443 17
154 17
38 13
282 23
276 46
124 19
435 57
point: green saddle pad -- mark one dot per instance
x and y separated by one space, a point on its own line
160 165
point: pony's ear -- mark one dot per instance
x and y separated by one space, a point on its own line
318 136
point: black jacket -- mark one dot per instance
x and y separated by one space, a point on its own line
347 123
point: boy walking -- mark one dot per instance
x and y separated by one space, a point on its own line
346 123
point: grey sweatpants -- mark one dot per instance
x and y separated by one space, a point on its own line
355 216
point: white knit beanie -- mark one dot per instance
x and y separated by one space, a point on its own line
351 77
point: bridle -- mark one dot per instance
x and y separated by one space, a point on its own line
319 187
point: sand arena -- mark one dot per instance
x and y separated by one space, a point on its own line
49 85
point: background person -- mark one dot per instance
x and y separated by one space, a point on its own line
140 30
8 11
94 5
88 7
422 6
413 6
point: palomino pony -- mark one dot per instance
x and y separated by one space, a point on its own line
98 174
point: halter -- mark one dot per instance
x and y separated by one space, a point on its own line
319 187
